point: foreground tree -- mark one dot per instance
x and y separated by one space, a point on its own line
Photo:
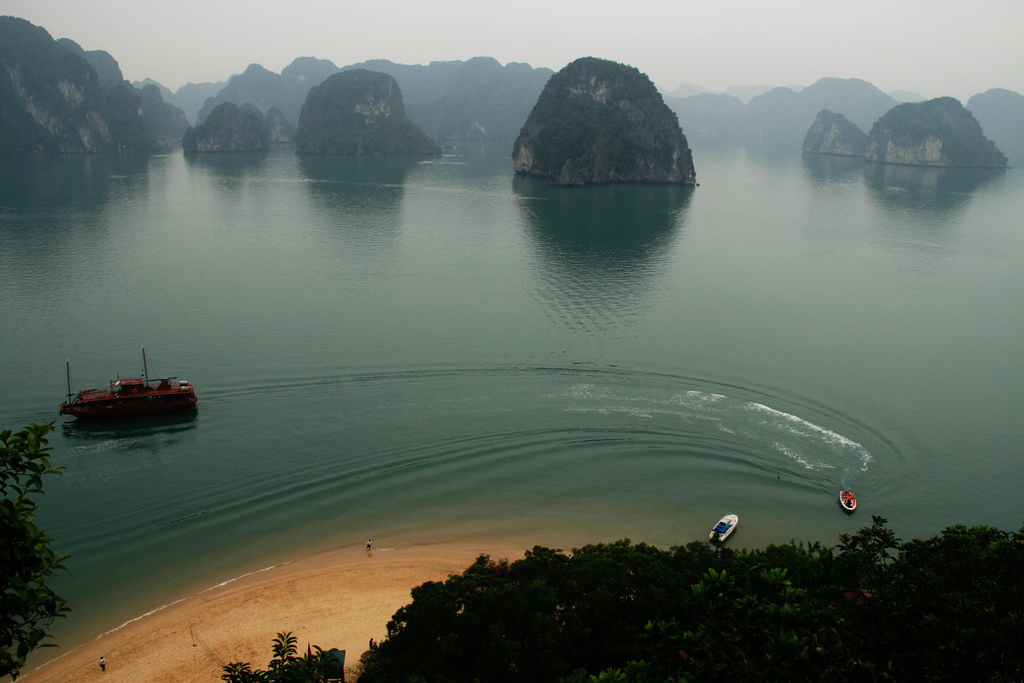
27 605
872 608
286 666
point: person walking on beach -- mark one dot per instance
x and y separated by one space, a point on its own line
369 543
103 664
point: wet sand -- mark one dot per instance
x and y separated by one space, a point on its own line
338 599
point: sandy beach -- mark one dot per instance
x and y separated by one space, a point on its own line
336 599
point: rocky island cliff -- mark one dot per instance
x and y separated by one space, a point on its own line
229 128
279 128
478 99
598 121
359 112
939 132
53 101
834 134
163 120
1001 115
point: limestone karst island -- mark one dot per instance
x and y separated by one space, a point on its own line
359 112
597 121
939 132
229 128
834 134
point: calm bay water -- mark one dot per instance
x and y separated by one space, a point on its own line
430 350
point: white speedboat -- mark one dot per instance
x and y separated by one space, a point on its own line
724 528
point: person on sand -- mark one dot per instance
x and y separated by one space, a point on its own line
103 664
369 543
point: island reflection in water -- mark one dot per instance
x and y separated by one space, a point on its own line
69 182
139 433
358 202
922 188
601 248
830 168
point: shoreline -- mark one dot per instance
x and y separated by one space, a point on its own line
336 599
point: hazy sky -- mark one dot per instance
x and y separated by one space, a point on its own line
933 47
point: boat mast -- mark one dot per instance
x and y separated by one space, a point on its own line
145 368
68 361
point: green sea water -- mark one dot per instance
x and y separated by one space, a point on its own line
429 350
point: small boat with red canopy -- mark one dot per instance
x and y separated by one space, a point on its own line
848 501
131 397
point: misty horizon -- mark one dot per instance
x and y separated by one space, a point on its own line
942 49
742 91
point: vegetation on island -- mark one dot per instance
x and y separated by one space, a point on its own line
266 90
279 129
163 120
834 134
1001 115
52 100
873 608
776 117
28 605
359 112
949 607
939 132
600 121
478 99
229 128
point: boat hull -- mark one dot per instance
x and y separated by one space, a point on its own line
131 398
847 501
113 410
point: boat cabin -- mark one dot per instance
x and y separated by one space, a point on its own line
128 386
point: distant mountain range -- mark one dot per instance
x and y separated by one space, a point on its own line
265 89
1001 115
473 100
781 117
745 93
478 99
189 97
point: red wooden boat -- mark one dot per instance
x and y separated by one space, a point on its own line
848 501
131 397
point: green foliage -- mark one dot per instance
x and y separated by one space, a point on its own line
163 120
478 99
359 112
126 126
51 99
872 608
285 666
229 128
604 117
945 119
27 606
238 672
